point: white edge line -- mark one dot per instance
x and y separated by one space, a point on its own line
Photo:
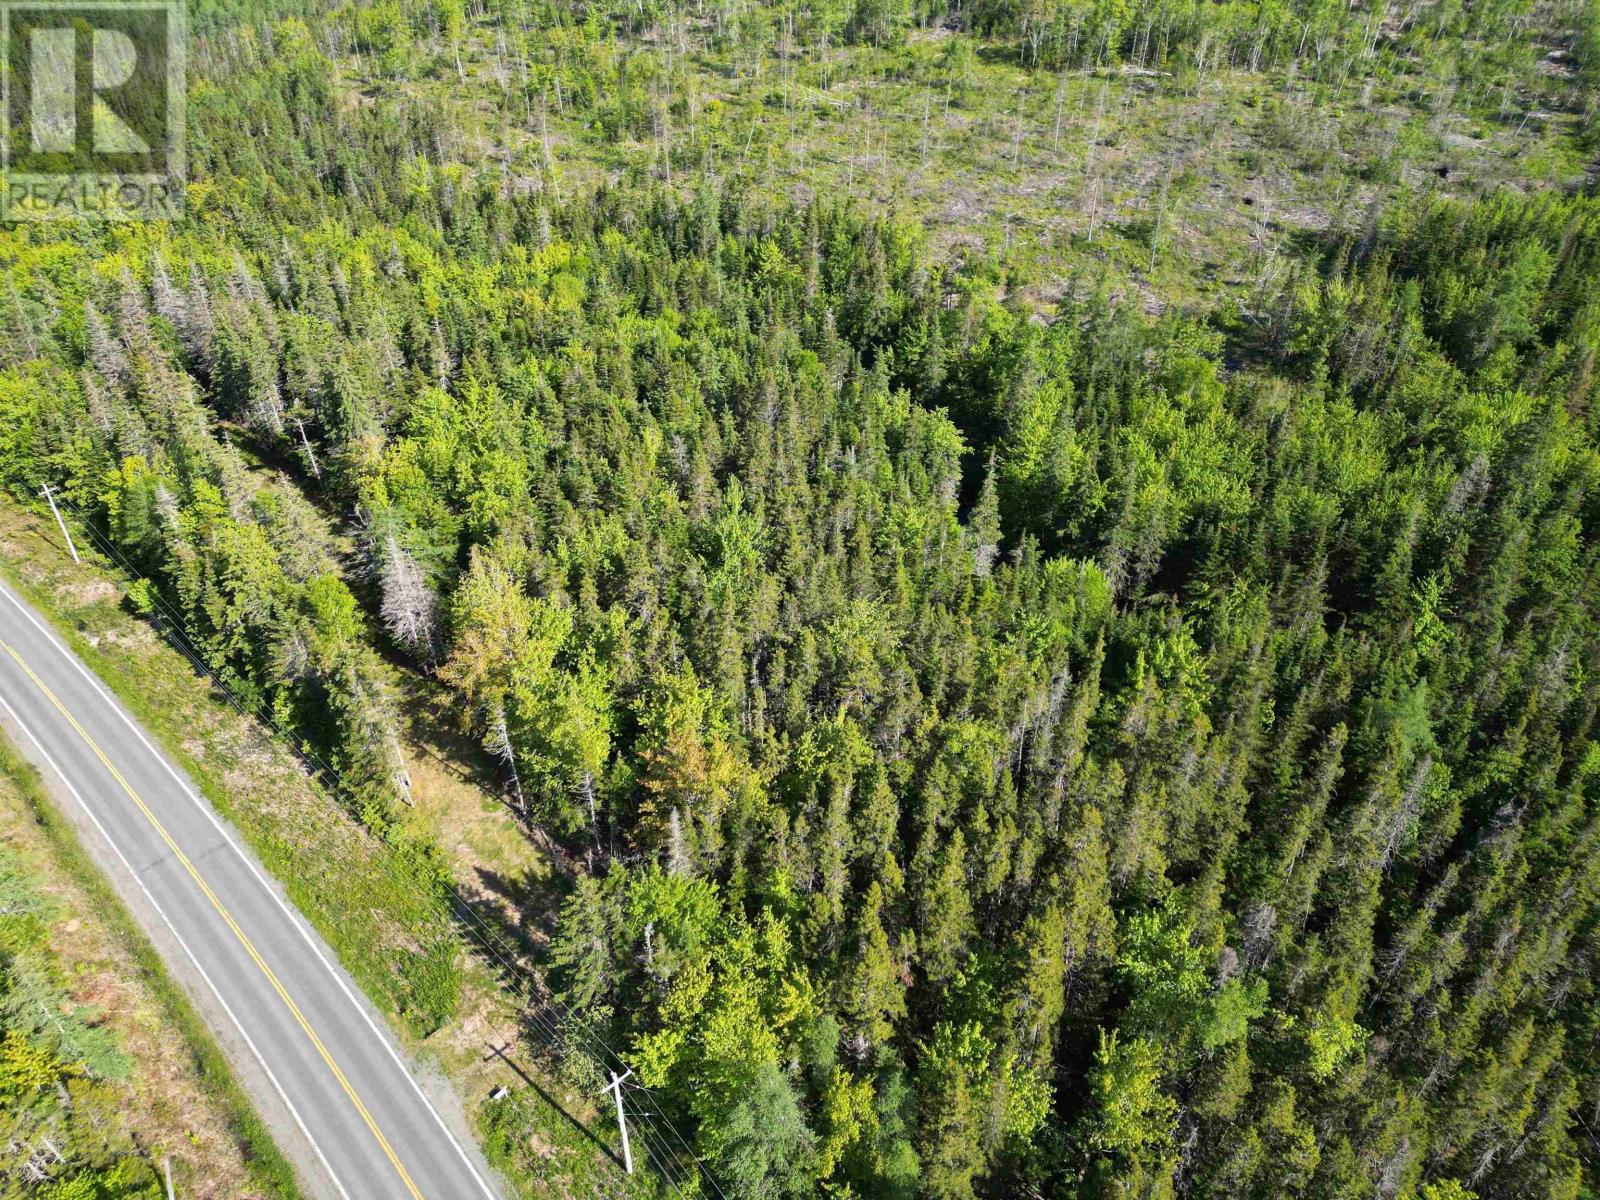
250 865
178 937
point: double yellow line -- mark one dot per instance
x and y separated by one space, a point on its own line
227 917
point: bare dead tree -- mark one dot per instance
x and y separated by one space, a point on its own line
499 745
410 609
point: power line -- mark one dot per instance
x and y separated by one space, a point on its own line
487 938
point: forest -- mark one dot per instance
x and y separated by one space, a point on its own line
1003 736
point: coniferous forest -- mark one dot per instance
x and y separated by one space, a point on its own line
1105 709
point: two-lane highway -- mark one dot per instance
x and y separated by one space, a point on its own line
368 1123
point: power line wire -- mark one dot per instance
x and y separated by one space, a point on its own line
488 939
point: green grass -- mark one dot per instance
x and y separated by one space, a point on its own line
534 1143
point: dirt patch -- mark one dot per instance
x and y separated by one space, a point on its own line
93 591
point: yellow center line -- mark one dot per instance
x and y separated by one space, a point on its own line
244 941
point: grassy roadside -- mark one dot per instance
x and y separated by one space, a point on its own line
333 868
186 1099
330 867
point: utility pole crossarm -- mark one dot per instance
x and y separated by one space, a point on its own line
615 1089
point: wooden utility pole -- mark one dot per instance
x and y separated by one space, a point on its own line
622 1121
311 455
73 549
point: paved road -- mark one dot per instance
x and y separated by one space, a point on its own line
331 1064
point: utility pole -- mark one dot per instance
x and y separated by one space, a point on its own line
61 523
622 1121
167 1166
